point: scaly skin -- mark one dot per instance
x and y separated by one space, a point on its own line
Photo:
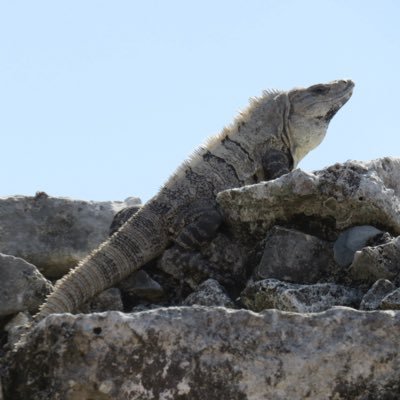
266 140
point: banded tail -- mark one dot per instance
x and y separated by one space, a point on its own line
139 240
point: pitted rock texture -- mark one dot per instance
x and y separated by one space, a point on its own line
322 203
209 293
54 233
378 291
379 262
272 293
196 353
22 286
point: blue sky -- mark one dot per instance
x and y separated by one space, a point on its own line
101 100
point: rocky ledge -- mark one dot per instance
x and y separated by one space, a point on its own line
297 297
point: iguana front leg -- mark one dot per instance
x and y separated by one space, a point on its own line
190 267
276 163
199 231
197 227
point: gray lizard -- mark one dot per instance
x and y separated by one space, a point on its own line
266 140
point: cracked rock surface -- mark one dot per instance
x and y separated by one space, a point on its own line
325 202
24 287
214 353
54 233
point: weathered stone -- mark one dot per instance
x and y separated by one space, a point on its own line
16 326
145 307
322 203
140 284
22 286
351 240
380 262
295 256
213 353
54 233
216 353
373 298
391 301
209 293
272 293
108 300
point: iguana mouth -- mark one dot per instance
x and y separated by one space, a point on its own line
331 113
341 100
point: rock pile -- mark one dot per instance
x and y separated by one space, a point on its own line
296 297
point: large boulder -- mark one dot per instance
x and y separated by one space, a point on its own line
55 233
22 286
322 203
213 353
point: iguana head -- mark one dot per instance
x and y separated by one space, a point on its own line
309 113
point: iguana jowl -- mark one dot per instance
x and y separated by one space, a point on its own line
267 140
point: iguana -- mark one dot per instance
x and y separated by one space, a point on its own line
265 141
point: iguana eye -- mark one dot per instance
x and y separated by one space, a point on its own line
319 89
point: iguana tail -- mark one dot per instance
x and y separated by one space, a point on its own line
142 238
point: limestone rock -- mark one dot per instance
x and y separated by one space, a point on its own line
213 353
216 352
22 286
322 203
108 300
210 293
380 262
17 326
351 240
373 298
295 256
272 293
54 233
391 301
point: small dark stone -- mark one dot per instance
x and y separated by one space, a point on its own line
210 293
295 256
